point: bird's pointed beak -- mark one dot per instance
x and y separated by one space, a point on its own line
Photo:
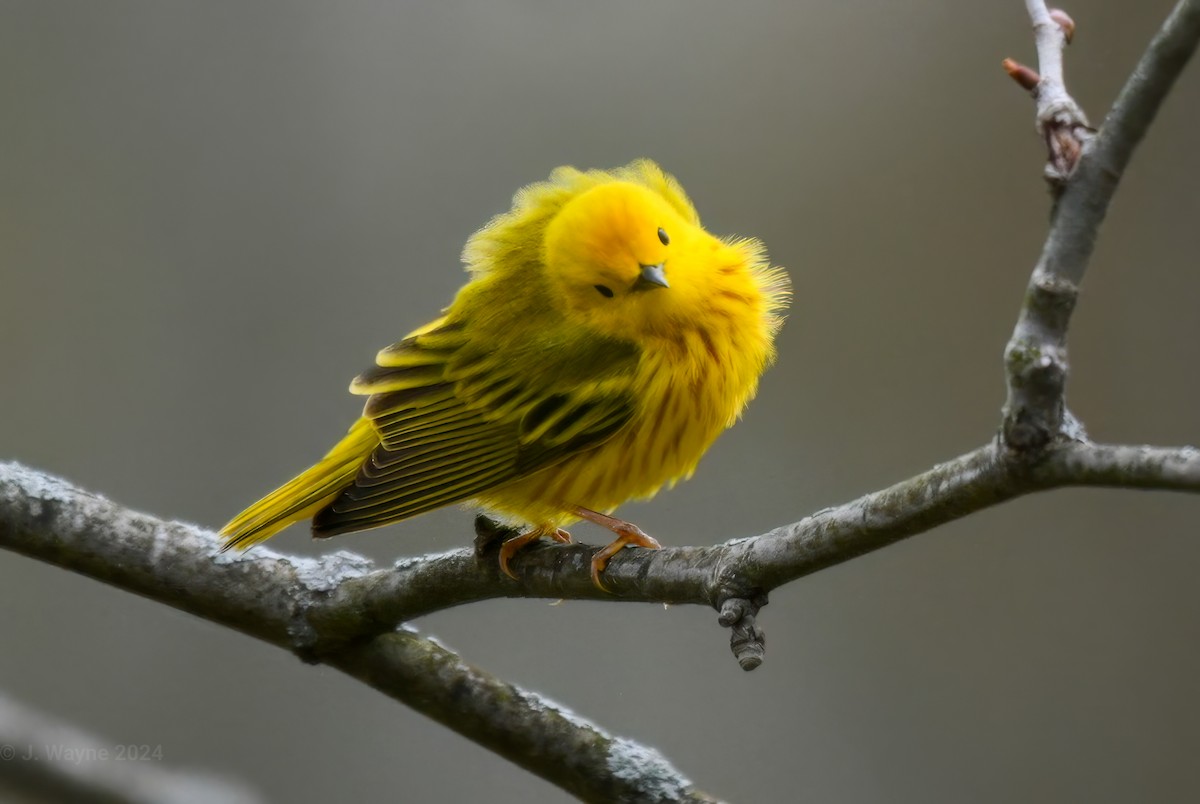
652 276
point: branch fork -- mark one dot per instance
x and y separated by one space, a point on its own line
1060 121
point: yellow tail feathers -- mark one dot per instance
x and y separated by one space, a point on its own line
303 496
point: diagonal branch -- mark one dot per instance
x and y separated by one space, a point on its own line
519 725
1036 356
269 598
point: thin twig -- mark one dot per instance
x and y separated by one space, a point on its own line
1060 120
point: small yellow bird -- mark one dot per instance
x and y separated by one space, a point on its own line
603 342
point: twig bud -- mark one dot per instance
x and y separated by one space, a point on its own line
1065 22
1026 77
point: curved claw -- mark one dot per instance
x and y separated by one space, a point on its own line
627 534
509 547
600 559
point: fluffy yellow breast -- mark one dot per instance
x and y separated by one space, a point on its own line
694 376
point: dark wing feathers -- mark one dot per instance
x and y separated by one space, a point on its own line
536 455
454 422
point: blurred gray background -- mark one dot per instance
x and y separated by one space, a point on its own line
213 214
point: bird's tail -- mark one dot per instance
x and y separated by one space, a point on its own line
303 496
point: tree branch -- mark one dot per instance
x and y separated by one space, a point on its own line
339 611
319 608
520 726
1114 466
1036 357
271 596
745 570
1060 120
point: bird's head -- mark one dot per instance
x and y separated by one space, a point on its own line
624 260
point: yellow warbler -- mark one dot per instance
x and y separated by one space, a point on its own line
603 342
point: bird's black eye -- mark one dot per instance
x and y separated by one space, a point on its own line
662 236
604 291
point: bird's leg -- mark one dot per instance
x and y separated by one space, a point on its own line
627 533
509 547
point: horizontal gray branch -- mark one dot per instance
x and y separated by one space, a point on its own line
316 607
747 569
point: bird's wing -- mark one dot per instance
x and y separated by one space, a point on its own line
456 419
